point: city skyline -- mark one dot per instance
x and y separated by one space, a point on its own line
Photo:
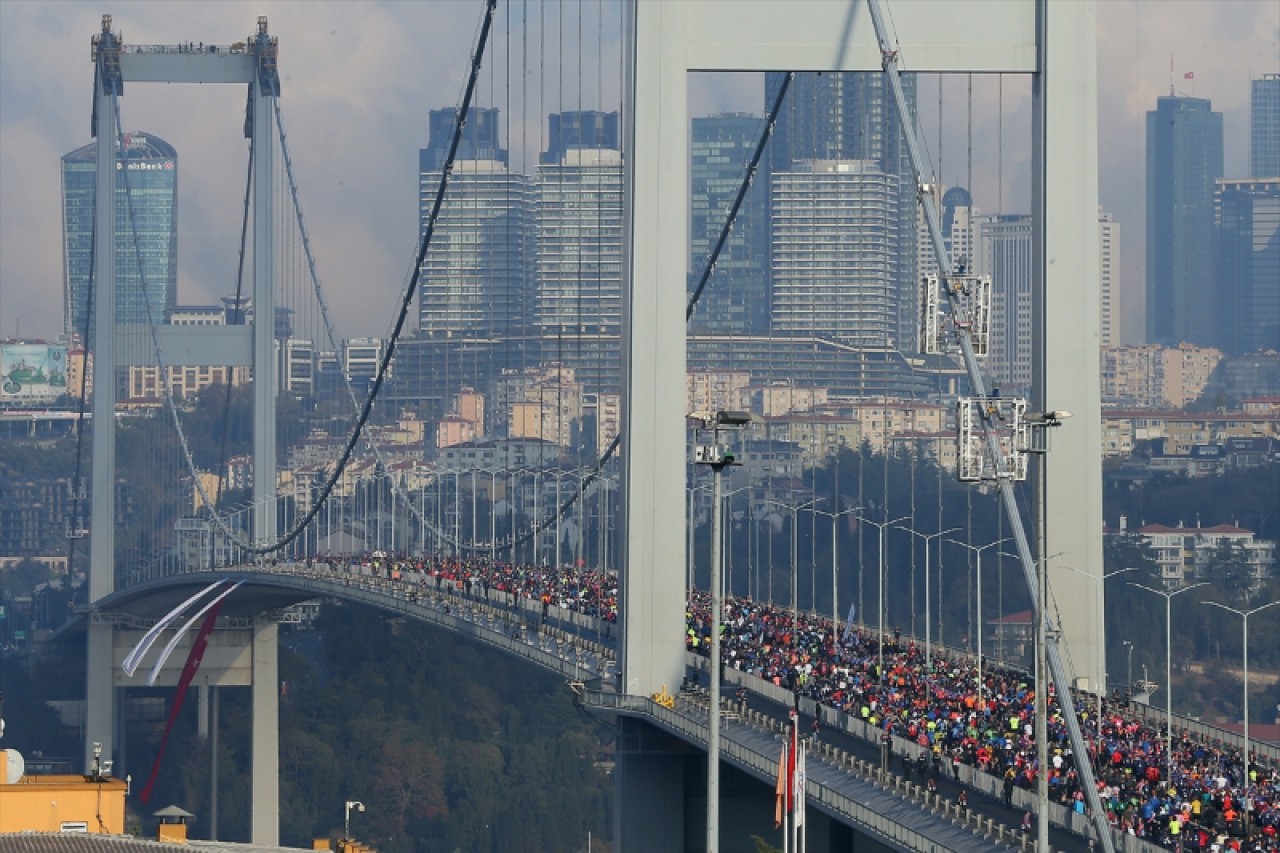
357 85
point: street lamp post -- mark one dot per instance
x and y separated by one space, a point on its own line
717 456
835 603
346 820
882 525
928 637
1168 663
795 547
978 549
1128 688
1244 619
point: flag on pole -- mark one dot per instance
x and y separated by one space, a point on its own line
780 790
1190 75
848 623
801 761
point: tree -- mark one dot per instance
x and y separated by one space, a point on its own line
1229 570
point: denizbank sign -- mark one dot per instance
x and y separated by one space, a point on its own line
166 166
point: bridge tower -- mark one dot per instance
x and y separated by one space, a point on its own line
252 62
1052 40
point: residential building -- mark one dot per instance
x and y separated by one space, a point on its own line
481 138
959 232
538 402
500 454
575 130
142 385
735 299
716 390
818 437
1247 264
146 228
578 256
1186 554
476 275
360 359
777 399
296 361
197 315
834 227
1184 159
1005 252
1178 432
1156 377
851 116
1264 126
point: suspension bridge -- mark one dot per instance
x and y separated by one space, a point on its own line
613 316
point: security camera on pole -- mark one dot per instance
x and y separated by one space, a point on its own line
718 456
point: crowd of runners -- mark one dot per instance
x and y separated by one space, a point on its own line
1207 804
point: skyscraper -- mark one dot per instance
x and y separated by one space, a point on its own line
959 232
1184 158
476 274
1247 264
834 229
146 227
481 138
579 230
736 298
1005 253
851 116
1264 126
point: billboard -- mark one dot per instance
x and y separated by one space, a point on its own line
32 373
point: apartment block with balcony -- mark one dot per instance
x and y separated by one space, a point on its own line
1186 554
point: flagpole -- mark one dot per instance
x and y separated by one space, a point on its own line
786 797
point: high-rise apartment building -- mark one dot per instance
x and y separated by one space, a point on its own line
736 297
1184 159
146 227
577 129
959 232
1264 126
1247 265
481 138
851 116
1004 252
476 276
834 229
579 233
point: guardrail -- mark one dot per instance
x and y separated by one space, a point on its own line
1215 736
766 767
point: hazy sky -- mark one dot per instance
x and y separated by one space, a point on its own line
358 79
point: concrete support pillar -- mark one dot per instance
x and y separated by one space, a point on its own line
1066 360
264 311
99 711
265 827
649 789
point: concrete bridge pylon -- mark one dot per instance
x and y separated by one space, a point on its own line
252 63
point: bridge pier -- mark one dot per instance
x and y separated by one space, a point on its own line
242 652
265 782
660 786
